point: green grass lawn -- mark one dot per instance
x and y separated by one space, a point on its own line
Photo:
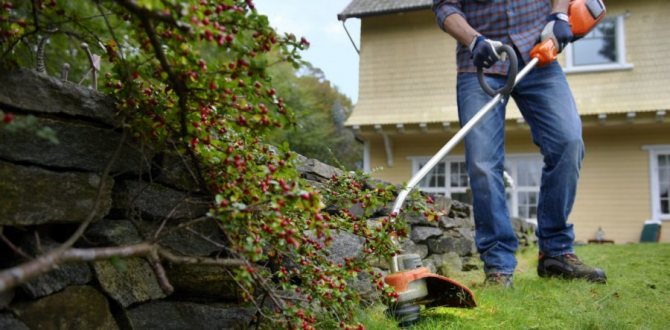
637 296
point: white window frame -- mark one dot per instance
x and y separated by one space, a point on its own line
512 159
620 64
654 152
447 190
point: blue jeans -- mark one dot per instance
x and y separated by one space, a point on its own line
547 105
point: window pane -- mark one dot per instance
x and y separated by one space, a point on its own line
664 160
598 47
529 173
435 178
459 175
528 204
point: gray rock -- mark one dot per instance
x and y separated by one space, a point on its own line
451 223
447 264
176 172
128 282
420 233
461 246
32 91
158 201
189 242
32 196
77 307
414 218
409 247
167 315
364 285
81 146
6 299
9 322
442 203
113 232
345 245
202 282
315 170
57 279
460 210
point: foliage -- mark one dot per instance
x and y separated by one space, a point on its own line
319 111
194 75
635 297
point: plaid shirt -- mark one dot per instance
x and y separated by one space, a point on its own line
513 22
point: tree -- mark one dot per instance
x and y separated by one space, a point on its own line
319 111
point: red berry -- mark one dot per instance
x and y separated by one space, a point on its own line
8 118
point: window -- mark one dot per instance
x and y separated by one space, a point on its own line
602 49
449 178
659 174
524 193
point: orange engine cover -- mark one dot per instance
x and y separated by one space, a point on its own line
442 291
584 15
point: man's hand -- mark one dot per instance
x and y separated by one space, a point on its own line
484 53
558 30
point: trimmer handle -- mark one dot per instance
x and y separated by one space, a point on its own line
545 52
511 74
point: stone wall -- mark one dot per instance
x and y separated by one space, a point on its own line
47 189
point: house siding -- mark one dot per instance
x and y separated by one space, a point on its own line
614 191
407 69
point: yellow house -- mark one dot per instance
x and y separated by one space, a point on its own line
620 77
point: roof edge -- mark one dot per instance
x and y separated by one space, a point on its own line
343 17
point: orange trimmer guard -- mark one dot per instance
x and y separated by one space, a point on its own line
442 291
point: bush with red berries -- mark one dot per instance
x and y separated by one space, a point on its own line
192 74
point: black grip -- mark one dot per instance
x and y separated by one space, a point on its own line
511 74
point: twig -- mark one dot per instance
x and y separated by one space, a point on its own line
11 245
259 309
173 258
35 16
167 217
209 240
153 15
178 227
159 271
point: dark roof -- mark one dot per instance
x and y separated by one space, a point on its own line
362 8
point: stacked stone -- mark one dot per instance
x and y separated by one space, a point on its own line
47 189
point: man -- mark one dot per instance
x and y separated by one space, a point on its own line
547 105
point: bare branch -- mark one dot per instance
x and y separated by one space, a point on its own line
13 247
159 271
173 258
133 7
45 263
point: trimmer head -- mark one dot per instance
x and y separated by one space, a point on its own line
416 286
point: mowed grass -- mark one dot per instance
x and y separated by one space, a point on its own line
637 296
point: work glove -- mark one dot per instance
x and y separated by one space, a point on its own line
558 29
484 53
